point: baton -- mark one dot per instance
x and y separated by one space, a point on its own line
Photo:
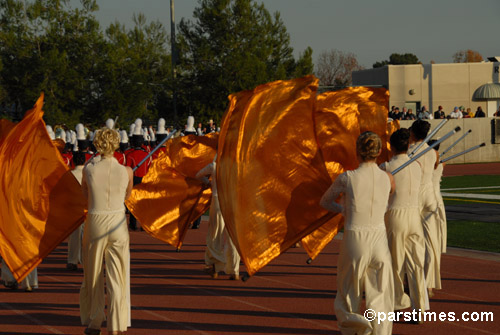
463 152
432 133
153 151
454 143
420 154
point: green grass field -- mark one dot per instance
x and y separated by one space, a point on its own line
473 234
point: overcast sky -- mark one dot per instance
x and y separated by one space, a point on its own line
372 30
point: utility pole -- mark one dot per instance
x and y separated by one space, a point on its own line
174 58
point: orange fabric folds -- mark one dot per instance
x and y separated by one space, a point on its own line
5 127
341 116
169 197
41 202
270 173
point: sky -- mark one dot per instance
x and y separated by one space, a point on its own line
372 30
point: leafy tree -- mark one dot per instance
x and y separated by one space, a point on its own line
398 59
232 45
335 67
467 56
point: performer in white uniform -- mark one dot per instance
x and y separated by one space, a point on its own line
428 205
75 239
440 210
364 260
221 254
106 184
28 283
404 228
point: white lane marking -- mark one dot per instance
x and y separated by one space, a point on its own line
469 188
471 196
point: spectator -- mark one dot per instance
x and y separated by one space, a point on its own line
410 115
468 113
456 114
439 114
424 114
391 112
497 113
479 112
397 115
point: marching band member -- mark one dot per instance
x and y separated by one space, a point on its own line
365 259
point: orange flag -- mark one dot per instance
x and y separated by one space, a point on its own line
341 116
41 202
169 197
270 171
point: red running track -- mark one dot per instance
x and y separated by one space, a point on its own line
171 295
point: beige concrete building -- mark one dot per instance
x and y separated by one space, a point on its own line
432 85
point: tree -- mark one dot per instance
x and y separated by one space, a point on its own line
398 59
232 45
467 56
335 67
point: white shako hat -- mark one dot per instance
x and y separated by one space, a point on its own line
145 134
190 123
123 136
131 130
51 132
151 134
110 123
161 127
60 133
91 135
138 127
68 137
80 132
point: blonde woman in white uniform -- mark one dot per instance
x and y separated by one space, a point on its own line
404 228
365 260
428 206
106 184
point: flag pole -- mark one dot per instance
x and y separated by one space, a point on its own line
432 133
454 143
420 154
153 151
463 152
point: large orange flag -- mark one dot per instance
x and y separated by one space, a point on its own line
5 127
169 197
341 116
41 202
270 171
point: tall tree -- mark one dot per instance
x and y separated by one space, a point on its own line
398 59
467 56
232 45
334 67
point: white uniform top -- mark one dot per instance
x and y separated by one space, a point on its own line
427 162
366 192
407 182
107 182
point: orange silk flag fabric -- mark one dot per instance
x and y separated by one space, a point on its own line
169 197
41 202
5 128
341 116
270 171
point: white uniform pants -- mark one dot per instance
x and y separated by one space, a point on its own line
75 246
407 246
106 236
220 248
428 210
364 265
30 281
